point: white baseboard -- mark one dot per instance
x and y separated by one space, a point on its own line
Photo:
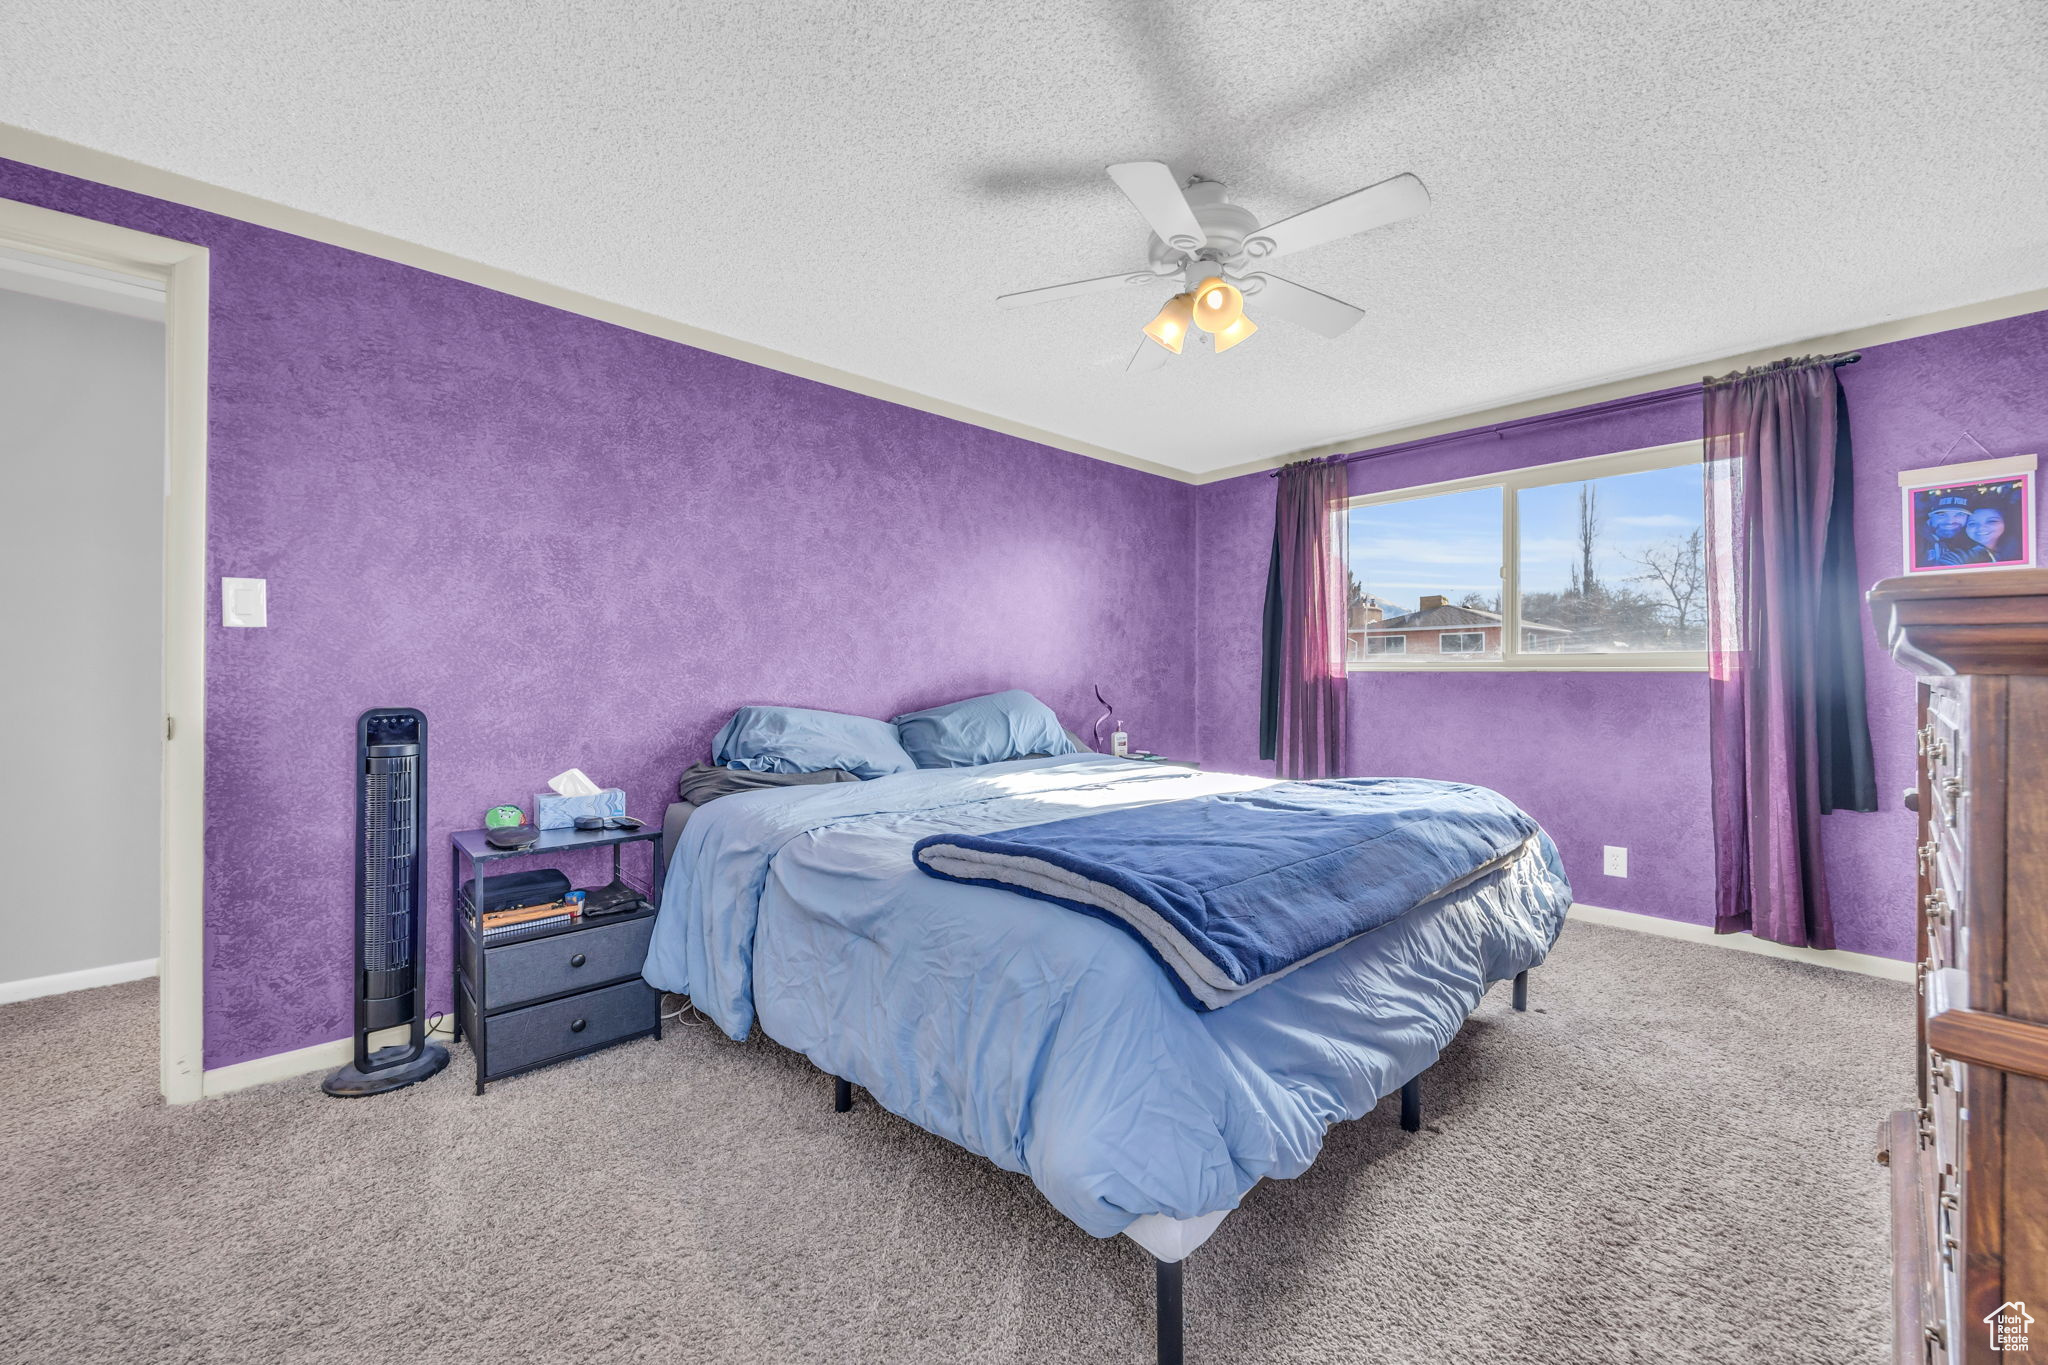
220 1080
304 1061
1870 965
35 986
284 1066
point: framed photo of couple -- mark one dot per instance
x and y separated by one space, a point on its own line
1970 516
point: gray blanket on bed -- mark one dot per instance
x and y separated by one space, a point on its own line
703 782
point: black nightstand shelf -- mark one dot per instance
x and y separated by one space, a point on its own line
532 998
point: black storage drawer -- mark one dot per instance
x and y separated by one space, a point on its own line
516 973
578 1023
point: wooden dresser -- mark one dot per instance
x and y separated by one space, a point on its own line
1969 1168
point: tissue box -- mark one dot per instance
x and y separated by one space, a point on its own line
560 812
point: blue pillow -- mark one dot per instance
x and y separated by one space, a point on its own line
789 739
989 729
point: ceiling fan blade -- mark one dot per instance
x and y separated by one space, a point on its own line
1074 287
1150 185
1359 211
1150 356
1277 298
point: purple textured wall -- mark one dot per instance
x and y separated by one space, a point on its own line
1620 758
570 543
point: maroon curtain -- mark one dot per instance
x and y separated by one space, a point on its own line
1304 678
1789 737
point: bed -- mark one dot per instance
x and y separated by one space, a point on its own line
1050 1042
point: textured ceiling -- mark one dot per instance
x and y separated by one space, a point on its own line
1619 187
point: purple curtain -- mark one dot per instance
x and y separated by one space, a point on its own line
1303 685
1789 737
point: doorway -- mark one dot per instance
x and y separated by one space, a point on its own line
103 343
81 555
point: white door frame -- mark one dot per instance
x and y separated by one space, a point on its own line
182 269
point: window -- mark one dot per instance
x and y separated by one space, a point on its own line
1615 565
1597 563
1423 562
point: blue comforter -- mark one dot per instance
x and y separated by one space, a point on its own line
1046 1041
1232 892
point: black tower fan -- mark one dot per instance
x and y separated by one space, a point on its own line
391 815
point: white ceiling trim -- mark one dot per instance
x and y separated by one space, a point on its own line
67 158
1629 386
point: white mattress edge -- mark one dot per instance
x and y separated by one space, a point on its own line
1173 1239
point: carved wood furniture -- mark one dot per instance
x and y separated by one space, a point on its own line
1969 1168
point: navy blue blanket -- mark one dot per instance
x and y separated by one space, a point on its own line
1232 892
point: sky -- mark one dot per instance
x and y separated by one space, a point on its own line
1449 543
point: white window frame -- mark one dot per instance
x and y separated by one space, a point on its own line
1512 657
1443 635
1386 641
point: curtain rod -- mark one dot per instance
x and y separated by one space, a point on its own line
1640 400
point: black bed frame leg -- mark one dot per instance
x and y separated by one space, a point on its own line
1411 1105
1170 1316
1522 990
842 1095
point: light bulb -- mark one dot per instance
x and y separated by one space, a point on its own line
1220 304
1170 328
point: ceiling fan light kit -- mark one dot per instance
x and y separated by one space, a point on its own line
1217 304
1234 333
1170 327
1209 243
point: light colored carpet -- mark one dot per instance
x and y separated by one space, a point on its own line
1668 1159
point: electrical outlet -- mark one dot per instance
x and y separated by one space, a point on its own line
1617 861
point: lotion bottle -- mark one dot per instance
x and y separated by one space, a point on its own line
1119 742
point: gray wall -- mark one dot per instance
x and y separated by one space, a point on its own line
81 617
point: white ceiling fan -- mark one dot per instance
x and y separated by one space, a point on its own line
1213 248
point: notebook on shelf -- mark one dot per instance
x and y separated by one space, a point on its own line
497 923
533 927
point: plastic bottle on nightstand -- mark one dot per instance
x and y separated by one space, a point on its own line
1119 742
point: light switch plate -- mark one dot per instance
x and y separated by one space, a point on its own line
1617 861
244 602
